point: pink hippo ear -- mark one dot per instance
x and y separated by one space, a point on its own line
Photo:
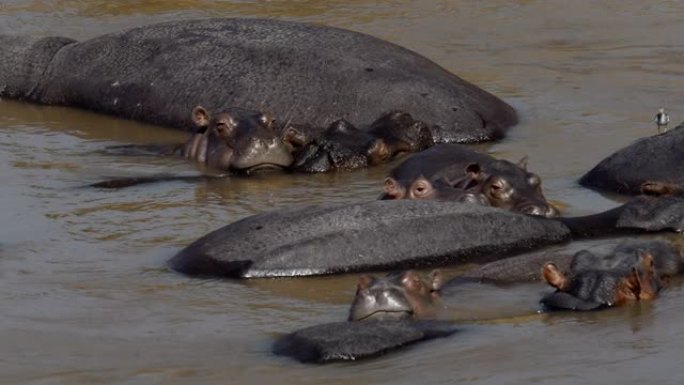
522 163
200 117
554 277
629 288
393 190
647 276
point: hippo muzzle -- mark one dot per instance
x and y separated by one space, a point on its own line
260 154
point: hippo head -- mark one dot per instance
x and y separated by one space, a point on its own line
510 186
591 289
238 140
401 133
396 296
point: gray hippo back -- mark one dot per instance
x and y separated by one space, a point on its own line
294 71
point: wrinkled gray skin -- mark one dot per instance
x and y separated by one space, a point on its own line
657 158
298 72
341 238
452 172
236 140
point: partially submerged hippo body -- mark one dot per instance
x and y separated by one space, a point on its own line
381 235
297 72
376 235
648 165
453 172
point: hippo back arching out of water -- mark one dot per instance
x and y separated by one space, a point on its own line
654 161
297 72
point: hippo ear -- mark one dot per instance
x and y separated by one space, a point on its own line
200 117
554 277
473 170
649 283
629 288
436 280
522 163
392 190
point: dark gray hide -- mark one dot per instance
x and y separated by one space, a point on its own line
345 341
343 238
656 158
307 73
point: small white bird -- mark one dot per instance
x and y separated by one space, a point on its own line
662 119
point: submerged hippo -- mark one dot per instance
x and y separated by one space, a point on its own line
454 172
652 165
397 296
299 72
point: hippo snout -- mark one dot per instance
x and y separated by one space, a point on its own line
541 210
262 153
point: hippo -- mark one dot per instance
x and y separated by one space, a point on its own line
366 236
399 234
343 146
599 282
454 172
236 140
399 295
298 72
652 165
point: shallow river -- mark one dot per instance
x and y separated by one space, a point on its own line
85 297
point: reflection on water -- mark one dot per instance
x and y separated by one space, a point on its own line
85 296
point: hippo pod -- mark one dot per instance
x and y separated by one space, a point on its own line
652 165
242 141
300 72
453 172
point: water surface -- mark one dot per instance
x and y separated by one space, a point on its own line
85 297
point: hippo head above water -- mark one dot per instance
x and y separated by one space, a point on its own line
599 283
237 140
396 296
346 147
497 183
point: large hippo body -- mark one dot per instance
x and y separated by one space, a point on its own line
296 72
653 159
400 234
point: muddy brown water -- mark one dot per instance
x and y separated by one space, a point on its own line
85 297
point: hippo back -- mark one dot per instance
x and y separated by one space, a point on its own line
299 72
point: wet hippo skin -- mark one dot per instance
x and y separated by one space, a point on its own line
341 238
296 72
656 158
348 341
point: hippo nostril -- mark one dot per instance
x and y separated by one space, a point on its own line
532 210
